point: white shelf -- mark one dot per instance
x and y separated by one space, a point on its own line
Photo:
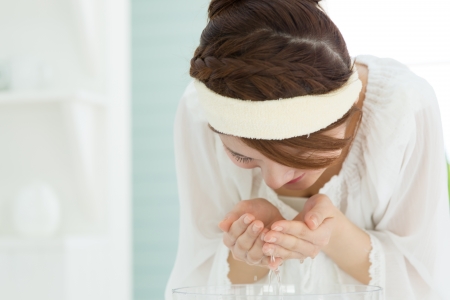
46 96
19 244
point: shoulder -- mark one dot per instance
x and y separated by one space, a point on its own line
398 109
396 98
189 106
392 83
190 97
192 135
398 105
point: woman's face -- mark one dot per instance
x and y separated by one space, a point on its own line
275 175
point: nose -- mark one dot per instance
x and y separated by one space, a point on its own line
276 175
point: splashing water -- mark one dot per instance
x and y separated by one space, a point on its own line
277 283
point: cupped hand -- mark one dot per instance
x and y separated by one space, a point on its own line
306 235
244 229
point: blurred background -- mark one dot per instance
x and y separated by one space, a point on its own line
65 154
88 94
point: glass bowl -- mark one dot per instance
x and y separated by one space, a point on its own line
269 292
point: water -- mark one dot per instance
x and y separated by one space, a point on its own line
277 283
290 292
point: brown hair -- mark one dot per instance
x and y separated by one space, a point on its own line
269 49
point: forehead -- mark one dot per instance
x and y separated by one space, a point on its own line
338 132
232 141
237 145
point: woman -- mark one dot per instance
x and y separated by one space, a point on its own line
333 165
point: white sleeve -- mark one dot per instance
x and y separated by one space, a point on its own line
208 188
410 256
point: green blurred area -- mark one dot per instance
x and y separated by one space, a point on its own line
448 169
164 37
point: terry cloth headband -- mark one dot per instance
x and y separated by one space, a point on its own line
277 119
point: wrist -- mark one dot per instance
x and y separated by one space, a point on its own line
340 228
348 248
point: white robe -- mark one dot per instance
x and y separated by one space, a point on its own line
393 185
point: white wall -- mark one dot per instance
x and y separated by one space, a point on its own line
65 121
47 31
416 33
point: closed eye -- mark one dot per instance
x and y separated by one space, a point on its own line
240 158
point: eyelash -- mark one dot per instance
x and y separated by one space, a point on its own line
241 159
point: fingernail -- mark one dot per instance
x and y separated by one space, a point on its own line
315 222
256 228
220 223
247 220
271 240
278 228
262 236
269 251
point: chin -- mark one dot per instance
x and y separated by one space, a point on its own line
301 185
298 186
293 188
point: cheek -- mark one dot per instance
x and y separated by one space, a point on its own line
309 179
316 172
312 176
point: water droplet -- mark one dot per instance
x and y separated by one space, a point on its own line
277 285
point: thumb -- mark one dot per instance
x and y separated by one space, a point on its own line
317 213
238 210
230 218
313 219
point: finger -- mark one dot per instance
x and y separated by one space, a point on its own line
246 240
322 235
291 243
244 206
315 217
237 228
296 228
229 219
299 230
255 254
322 209
284 254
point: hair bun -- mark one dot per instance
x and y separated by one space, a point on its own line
218 6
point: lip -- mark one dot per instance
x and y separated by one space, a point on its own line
297 179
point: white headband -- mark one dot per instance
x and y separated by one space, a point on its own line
277 119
